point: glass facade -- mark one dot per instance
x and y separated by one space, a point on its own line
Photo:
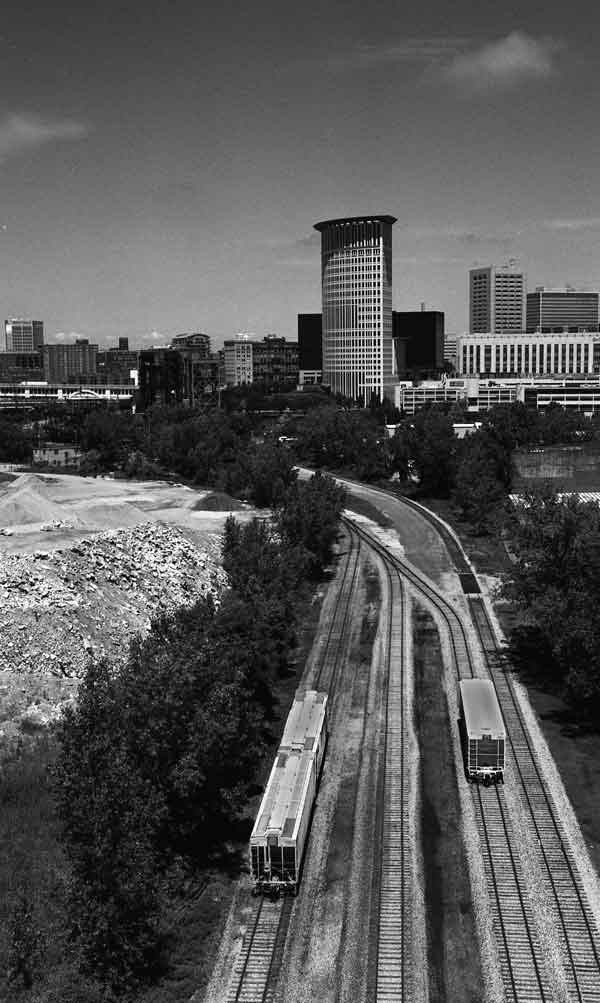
356 275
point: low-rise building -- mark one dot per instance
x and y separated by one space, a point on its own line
477 395
569 353
58 454
270 361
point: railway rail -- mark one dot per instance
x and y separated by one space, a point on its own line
257 967
518 948
573 921
572 918
392 951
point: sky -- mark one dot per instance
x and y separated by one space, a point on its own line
162 164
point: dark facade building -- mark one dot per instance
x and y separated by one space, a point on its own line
160 377
115 365
310 341
270 361
74 363
21 367
551 311
418 342
200 367
23 335
274 360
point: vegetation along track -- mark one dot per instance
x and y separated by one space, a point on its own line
257 967
518 946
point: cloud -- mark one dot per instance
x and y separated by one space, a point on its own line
511 61
406 50
309 240
470 236
20 133
584 223
64 338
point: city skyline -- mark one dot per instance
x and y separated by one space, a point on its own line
162 168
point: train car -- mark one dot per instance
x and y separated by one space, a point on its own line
483 732
281 829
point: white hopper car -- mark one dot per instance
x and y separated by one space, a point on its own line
280 832
483 732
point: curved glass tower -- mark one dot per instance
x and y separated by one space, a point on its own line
356 275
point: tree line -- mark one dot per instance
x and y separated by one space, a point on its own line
156 759
556 582
425 458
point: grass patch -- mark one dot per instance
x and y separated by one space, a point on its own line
363 507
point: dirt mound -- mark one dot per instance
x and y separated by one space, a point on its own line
25 504
218 501
105 513
58 608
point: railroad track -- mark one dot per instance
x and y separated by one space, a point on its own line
573 922
392 967
255 974
575 927
518 946
255 967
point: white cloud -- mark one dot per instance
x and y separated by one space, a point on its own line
584 223
20 133
505 63
405 50
502 235
65 338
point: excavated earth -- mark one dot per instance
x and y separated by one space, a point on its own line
85 564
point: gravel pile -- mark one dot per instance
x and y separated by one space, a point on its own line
59 607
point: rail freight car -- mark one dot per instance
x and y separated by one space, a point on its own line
482 730
280 832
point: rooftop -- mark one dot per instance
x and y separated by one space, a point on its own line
348 220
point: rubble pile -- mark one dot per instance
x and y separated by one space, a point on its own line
59 607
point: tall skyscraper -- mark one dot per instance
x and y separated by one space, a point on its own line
23 335
496 300
356 276
552 310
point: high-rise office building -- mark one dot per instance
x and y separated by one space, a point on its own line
558 310
356 276
23 335
496 300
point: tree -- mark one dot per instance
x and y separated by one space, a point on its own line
556 580
310 518
480 485
432 446
270 472
110 817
